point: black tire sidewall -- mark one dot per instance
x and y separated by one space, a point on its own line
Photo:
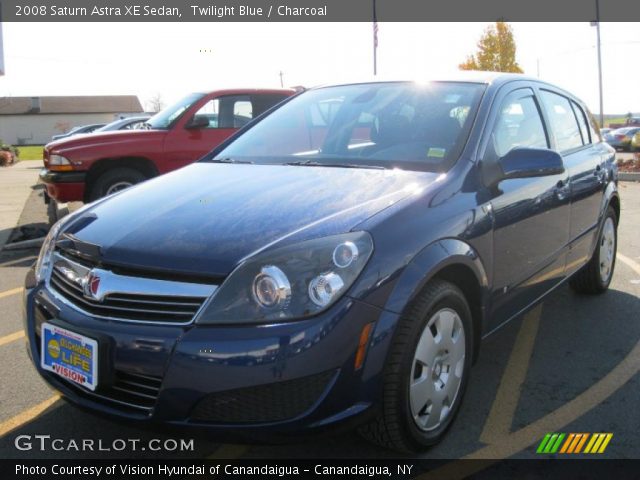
113 176
610 214
452 298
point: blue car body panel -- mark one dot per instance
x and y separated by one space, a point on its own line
508 247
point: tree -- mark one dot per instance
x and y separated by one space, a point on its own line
155 103
496 51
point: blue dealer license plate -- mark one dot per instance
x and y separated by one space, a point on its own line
70 355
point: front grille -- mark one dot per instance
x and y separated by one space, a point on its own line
131 393
265 403
127 297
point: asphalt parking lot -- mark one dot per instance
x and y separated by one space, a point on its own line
569 365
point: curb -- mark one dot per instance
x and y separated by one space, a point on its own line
629 176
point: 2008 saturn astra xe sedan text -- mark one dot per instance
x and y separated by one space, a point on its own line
337 261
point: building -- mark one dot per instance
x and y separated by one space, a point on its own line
33 120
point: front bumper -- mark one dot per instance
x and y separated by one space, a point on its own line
285 378
64 186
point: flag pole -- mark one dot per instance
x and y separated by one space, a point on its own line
375 40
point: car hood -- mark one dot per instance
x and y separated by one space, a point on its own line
205 218
102 138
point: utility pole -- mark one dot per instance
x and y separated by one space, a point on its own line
375 39
597 25
281 80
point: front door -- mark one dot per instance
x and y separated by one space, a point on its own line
531 215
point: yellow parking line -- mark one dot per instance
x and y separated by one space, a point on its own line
26 416
228 451
629 263
505 403
12 337
8 293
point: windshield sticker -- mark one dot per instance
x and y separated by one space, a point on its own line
436 152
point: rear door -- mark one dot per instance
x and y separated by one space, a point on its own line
583 160
531 215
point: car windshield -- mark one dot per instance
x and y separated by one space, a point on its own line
379 125
165 118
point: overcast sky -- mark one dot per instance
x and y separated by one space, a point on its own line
175 58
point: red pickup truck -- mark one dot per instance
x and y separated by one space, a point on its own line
87 167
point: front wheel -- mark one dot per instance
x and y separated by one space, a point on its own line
427 371
596 275
114 180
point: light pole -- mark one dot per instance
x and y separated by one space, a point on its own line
597 25
375 39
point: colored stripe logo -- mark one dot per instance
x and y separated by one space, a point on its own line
574 443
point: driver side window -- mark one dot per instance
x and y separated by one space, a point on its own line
519 124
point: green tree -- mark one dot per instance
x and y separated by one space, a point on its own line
496 51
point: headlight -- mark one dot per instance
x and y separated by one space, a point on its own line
290 282
59 163
43 264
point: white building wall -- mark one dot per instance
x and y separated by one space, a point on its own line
37 129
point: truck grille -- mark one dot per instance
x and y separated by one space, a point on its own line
123 297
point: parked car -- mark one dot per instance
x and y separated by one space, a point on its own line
129 123
635 142
629 122
88 168
339 260
620 139
78 130
605 131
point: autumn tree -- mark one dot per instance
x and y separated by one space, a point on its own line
496 51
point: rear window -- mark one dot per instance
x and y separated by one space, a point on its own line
564 123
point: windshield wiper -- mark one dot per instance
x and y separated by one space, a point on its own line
313 163
229 160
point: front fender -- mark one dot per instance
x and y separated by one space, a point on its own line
427 263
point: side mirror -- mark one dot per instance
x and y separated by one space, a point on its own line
197 122
530 162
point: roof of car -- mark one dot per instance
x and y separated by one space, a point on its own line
455 76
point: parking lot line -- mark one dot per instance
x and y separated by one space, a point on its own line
26 416
8 293
228 451
12 337
505 403
629 263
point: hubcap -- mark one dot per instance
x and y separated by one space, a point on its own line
116 187
607 249
438 365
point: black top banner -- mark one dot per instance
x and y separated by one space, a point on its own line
317 10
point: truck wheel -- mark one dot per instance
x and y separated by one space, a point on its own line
427 371
114 180
55 212
596 275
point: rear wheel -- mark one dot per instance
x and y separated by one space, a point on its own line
114 180
426 372
596 275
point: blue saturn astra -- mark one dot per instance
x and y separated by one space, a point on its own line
337 261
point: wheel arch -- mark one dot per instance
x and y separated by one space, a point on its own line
454 261
142 164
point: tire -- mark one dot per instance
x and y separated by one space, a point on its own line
114 180
397 426
592 279
55 212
